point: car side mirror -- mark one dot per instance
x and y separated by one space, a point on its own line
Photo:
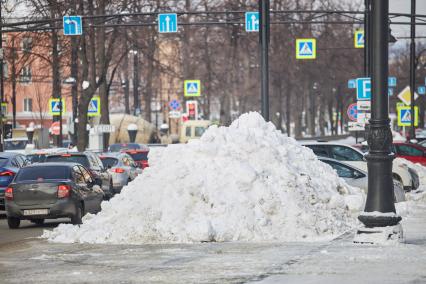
109 166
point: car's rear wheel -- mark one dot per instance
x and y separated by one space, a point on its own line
13 222
38 221
76 219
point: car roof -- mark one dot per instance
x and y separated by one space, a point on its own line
69 153
312 143
9 154
113 154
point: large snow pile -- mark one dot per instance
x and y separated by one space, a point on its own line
421 171
246 182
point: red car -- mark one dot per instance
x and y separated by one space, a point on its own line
411 152
140 156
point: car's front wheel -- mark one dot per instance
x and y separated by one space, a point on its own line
13 222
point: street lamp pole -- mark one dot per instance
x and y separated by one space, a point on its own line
264 36
1 80
366 38
136 83
413 67
380 208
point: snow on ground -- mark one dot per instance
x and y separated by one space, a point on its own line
246 182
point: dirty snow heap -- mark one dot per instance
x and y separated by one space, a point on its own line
245 182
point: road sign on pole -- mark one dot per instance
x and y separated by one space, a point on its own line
405 96
167 23
352 84
55 107
359 39
174 105
192 88
421 90
306 48
94 108
73 25
404 116
392 82
4 109
352 112
390 92
363 89
252 21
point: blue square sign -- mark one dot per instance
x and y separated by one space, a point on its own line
167 23
363 89
73 25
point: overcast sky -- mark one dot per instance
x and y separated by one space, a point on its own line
404 6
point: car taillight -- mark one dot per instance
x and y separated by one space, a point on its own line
145 164
7 173
8 194
119 170
64 191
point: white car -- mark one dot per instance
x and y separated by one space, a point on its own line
358 178
355 157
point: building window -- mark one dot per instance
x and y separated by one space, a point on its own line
28 105
26 74
27 44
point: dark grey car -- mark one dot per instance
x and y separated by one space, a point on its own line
51 191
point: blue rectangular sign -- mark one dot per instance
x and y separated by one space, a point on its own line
73 25
252 21
352 84
392 81
363 89
421 90
167 23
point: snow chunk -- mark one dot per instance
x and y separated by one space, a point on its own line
246 182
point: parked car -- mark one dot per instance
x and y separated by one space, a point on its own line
358 178
122 168
91 162
50 191
140 156
412 152
39 156
16 145
10 163
123 146
355 157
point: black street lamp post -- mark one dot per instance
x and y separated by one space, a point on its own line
264 15
379 209
413 66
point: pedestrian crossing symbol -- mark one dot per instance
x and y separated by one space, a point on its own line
192 88
404 116
55 107
94 108
359 39
306 48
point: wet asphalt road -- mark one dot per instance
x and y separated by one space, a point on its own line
25 231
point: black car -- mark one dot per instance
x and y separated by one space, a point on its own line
50 191
91 162
10 163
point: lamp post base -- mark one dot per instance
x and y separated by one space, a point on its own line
380 235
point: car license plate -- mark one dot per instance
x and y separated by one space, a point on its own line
36 212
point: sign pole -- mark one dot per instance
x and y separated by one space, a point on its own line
264 57
1 81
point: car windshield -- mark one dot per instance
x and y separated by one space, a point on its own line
199 131
109 162
15 145
43 173
3 162
139 156
82 160
119 147
36 158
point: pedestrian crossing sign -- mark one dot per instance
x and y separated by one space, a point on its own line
55 107
306 48
359 39
192 88
94 108
404 116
